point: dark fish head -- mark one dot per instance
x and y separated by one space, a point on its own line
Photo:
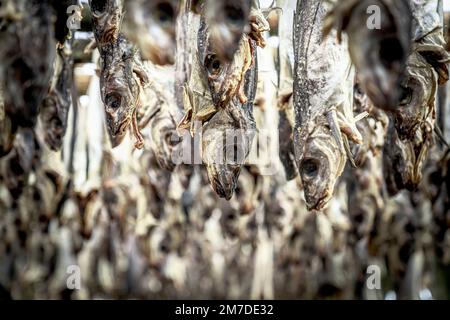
120 93
107 16
320 166
227 21
380 54
226 145
151 25
410 133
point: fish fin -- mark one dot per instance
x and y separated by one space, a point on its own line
349 128
335 129
185 122
361 116
141 74
349 152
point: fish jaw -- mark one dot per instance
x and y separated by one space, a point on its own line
223 179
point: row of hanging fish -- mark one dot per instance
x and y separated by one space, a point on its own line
361 178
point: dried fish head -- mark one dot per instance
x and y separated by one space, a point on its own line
120 88
410 133
107 16
258 24
379 52
227 20
226 140
320 166
151 26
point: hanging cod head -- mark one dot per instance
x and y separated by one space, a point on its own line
228 135
412 124
122 76
122 73
151 26
379 41
323 94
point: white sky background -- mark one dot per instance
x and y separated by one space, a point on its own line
447 5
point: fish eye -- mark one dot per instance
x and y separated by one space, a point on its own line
406 96
212 64
234 15
165 12
113 101
172 139
358 90
310 168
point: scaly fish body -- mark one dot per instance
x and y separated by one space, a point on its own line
323 95
379 35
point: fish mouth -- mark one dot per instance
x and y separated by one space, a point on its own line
223 181
320 203
117 138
